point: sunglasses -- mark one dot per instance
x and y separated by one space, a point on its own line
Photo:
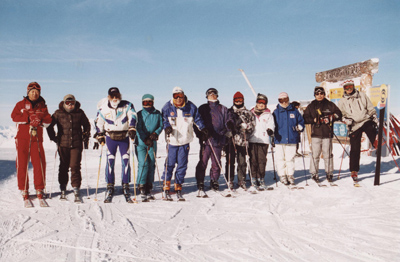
319 93
283 100
261 101
178 95
69 103
148 103
347 87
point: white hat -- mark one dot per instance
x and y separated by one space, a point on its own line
177 90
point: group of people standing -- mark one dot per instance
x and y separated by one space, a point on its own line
243 134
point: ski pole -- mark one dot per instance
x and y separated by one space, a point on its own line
134 174
144 163
302 154
166 164
340 168
344 149
219 164
87 176
158 173
98 173
27 162
54 173
41 166
273 164
248 82
248 158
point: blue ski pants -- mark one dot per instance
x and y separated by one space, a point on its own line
112 146
177 155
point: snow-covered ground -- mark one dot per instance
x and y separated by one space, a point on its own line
341 223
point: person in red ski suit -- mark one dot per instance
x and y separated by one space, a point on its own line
31 115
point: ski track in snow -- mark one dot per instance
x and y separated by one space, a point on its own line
341 223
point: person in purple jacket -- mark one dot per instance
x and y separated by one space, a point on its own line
214 116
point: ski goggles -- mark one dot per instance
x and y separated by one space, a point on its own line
69 103
178 95
148 102
33 85
349 86
261 101
239 99
212 92
283 100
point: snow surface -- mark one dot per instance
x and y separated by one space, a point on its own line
341 223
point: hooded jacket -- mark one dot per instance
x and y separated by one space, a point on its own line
116 119
286 121
148 122
358 107
263 122
69 126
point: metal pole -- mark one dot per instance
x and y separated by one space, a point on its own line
248 82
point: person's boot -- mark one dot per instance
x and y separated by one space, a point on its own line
315 178
109 193
143 195
178 190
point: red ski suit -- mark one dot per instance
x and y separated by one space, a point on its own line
27 145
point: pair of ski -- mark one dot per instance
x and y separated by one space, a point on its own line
256 189
128 199
168 197
203 194
323 185
77 198
29 204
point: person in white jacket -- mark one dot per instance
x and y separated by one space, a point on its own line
259 141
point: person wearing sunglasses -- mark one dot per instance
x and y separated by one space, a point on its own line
179 116
31 115
149 127
115 125
73 133
321 114
214 116
288 124
360 116
240 124
259 141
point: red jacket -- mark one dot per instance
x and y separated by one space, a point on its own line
20 115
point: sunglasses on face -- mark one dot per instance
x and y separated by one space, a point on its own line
319 93
178 95
261 101
69 103
148 103
283 100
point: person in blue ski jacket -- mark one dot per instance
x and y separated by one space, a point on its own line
179 115
148 127
288 123
215 117
116 123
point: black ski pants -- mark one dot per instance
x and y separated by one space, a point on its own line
235 153
258 159
355 143
70 158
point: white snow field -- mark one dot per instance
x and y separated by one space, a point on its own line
341 223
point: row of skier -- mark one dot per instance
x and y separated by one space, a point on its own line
238 131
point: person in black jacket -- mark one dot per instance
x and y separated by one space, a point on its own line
321 114
73 133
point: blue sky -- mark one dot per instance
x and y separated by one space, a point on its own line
86 47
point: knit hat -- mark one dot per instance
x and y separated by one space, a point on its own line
177 90
283 95
348 82
33 85
147 97
319 89
113 91
69 97
238 95
262 97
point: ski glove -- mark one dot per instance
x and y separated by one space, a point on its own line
154 136
204 134
299 128
270 132
375 120
148 142
85 137
326 119
101 138
132 133
34 120
168 130
348 121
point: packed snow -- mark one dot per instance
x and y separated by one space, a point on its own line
342 223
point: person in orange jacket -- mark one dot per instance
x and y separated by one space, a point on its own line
31 115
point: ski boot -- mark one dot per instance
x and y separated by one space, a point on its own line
77 195
329 177
354 176
63 189
148 188
143 195
109 193
260 184
178 190
315 178
231 186
167 188
126 192
214 185
242 184
284 180
201 192
40 195
291 180
25 196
